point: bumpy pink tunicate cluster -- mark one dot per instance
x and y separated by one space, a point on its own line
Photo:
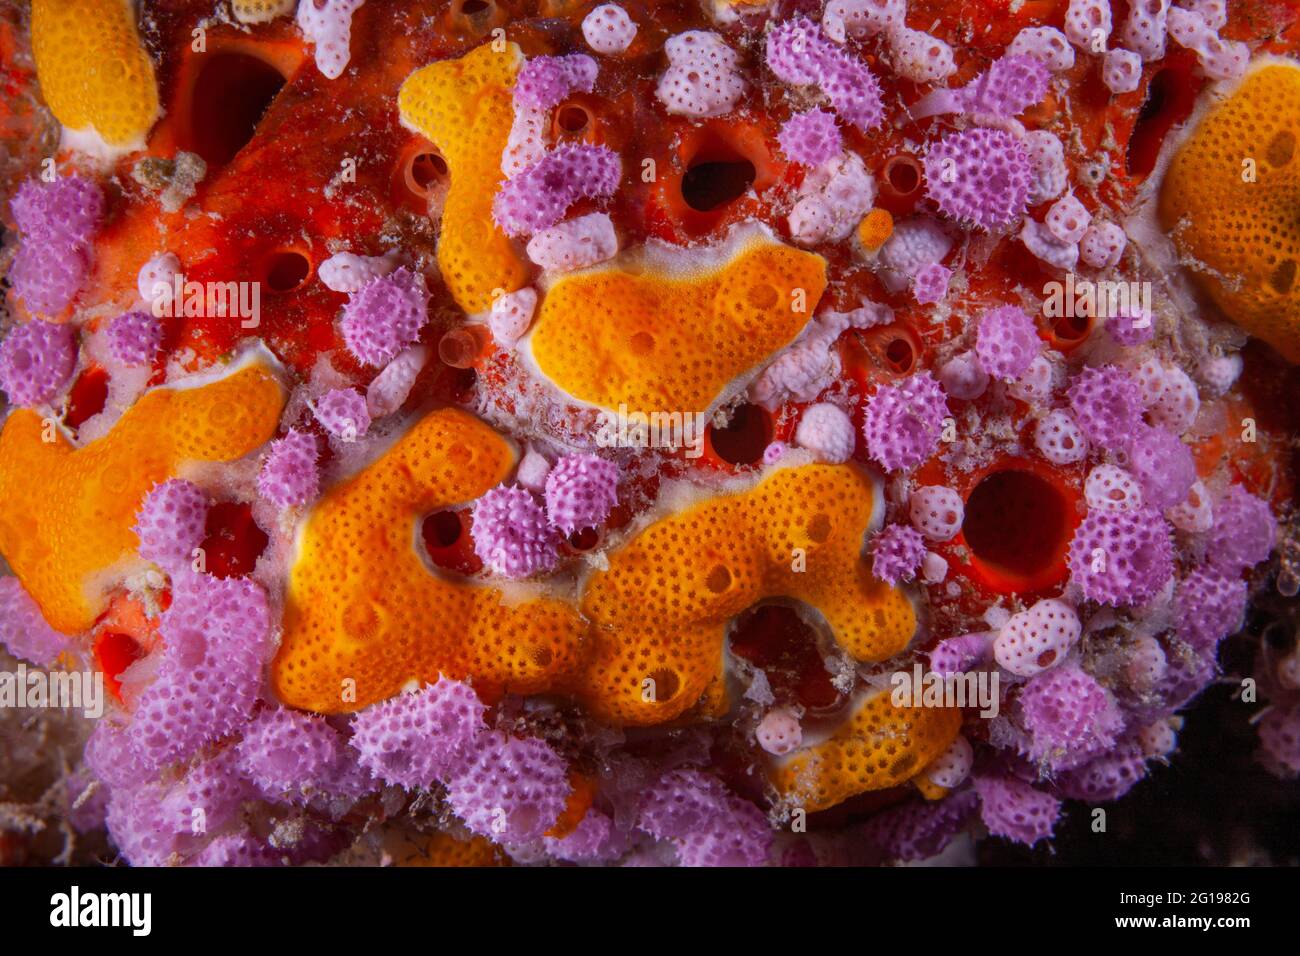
832 200
703 76
1163 465
1111 488
802 371
956 655
172 522
897 553
544 81
58 220
1210 607
608 29
134 338
1068 219
800 54
1106 405
951 768
1015 810
1048 174
328 25
512 314
349 272
415 739
23 630
963 377
1007 88
708 825
920 829
343 413
593 840
862 18
779 731
1059 438
1087 22
1121 70
1219 59
215 641
1145 30
936 511
827 431
1038 638
385 316
512 789
512 535
1121 557
36 360
1243 534
574 243
979 176
285 752
903 422
391 387
1107 777
810 138
1068 716
1102 245
1195 513
914 244
931 284
1130 327
1176 403
1006 342
581 491
918 56
289 475
1046 44
539 196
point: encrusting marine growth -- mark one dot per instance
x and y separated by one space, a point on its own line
600 435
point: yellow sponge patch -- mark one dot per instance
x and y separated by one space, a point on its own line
364 614
94 72
878 746
1245 229
660 610
67 514
658 337
465 108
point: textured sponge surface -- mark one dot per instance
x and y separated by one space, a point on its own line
1247 233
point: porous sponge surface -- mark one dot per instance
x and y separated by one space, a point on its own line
1246 233
362 605
662 339
93 70
662 607
659 610
879 746
67 514
465 107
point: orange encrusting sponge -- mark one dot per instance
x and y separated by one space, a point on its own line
465 108
364 613
878 746
93 70
658 338
67 514
662 607
1245 234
